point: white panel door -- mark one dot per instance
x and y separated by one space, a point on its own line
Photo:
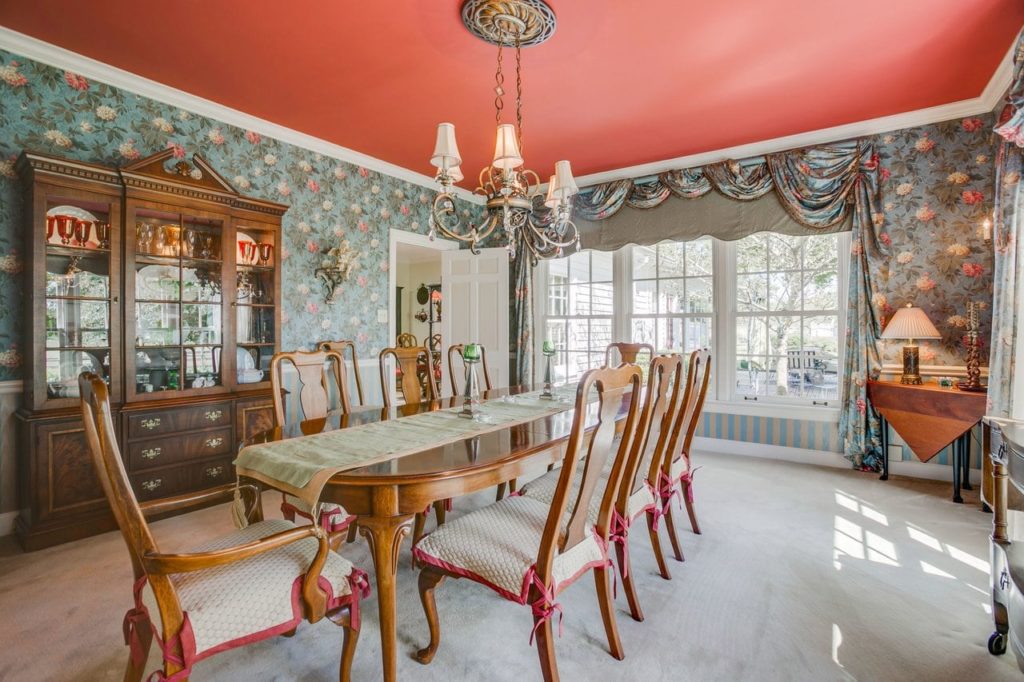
474 291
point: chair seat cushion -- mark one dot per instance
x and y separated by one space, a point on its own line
333 516
543 489
244 601
679 467
497 546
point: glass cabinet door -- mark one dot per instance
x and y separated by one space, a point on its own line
78 294
176 270
254 305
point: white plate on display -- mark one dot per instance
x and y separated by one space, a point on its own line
81 214
243 237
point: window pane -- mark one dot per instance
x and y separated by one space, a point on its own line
555 333
751 293
698 294
558 270
578 332
601 266
821 253
579 267
602 302
785 290
751 336
698 333
784 252
698 257
670 335
821 290
821 336
671 295
558 300
643 330
671 259
752 253
644 262
783 334
643 297
579 299
578 363
600 334
751 376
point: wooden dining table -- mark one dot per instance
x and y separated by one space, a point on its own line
386 496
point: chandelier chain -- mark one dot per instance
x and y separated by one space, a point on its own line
519 92
499 89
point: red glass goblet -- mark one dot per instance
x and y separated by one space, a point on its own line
65 228
51 225
83 228
266 252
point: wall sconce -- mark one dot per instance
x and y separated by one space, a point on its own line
336 267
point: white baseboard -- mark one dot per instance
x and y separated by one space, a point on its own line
934 472
7 523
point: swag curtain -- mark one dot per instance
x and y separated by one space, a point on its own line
824 189
1009 257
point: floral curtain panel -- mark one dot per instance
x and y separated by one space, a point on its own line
820 188
1007 230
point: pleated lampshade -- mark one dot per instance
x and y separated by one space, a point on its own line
910 323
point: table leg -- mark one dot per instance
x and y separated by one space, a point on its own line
965 461
384 534
957 446
885 448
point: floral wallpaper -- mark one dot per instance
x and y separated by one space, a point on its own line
937 189
61 113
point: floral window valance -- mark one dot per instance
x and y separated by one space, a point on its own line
814 185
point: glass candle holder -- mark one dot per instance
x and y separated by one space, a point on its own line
470 394
548 349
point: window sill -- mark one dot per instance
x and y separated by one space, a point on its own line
775 410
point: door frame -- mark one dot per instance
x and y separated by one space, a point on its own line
396 237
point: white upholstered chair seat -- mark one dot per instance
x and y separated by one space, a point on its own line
498 546
679 467
543 489
254 596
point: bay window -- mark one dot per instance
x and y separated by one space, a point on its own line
768 306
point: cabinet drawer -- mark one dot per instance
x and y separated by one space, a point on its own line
158 452
176 420
213 473
160 483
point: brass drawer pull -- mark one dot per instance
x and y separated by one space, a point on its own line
214 442
214 415
150 424
214 472
151 453
152 484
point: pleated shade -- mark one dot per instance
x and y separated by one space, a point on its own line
910 323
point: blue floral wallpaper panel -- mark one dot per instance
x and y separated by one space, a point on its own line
61 113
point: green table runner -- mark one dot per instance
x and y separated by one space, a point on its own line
302 466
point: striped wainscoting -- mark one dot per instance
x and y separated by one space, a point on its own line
793 433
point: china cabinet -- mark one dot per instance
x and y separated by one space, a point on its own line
164 280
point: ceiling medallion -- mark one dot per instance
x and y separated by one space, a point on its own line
542 224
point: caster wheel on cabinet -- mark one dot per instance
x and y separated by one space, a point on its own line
997 644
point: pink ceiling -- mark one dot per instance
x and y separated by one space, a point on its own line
619 84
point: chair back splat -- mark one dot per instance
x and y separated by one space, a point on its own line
628 352
349 346
316 372
613 387
458 377
416 378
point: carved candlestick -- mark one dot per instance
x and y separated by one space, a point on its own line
973 382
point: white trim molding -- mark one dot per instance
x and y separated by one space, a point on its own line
47 53
718 446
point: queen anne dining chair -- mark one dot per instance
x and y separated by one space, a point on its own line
318 376
341 347
243 587
674 475
663 401
528 551
414 385
627 352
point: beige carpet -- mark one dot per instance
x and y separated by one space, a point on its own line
802 573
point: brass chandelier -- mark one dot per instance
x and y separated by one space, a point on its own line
543 224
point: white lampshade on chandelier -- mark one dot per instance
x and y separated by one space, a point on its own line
512 193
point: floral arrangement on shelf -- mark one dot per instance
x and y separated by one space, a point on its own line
337 265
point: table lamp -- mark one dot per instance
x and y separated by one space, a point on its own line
910 323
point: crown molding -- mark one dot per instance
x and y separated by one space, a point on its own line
984 103
47 53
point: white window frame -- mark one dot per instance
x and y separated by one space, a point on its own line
722 396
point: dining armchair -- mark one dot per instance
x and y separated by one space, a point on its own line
662 406
414 385
349 346
528 551
318 374
243 587
406 340
627 352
